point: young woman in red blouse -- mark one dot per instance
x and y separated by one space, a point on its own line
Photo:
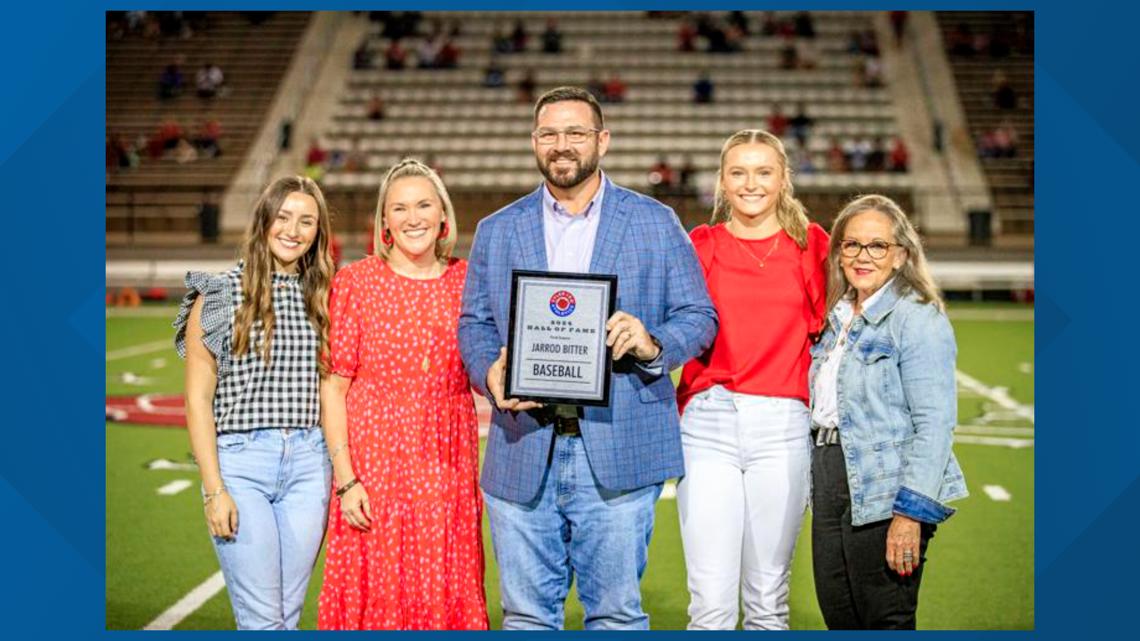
745 419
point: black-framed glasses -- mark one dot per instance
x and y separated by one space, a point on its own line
876 249
574 135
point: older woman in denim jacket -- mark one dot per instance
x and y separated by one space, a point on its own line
884 408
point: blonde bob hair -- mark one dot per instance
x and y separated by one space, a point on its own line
407 168
913 276
790 212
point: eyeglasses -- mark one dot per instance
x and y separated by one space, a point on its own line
574 135
876 249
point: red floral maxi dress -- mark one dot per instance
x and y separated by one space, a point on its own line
414 443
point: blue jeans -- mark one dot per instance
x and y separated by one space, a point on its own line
574 527
279 479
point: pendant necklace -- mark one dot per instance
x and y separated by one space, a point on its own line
775 244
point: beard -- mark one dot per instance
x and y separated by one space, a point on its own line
584 167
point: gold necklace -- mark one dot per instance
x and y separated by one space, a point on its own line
775 244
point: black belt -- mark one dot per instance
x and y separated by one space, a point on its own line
824 435
567 426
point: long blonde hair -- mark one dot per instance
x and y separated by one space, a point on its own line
408 167
913 276
315 269
790 212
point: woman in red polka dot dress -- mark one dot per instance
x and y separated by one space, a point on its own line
405 547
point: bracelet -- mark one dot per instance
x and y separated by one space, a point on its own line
338 449
346 487
210 496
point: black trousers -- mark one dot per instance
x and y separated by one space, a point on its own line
855 586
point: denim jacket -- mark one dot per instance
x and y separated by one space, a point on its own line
898 407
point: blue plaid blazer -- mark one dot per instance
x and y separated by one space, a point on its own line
636 441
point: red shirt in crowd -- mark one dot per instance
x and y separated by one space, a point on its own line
768 315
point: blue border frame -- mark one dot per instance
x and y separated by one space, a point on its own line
52 465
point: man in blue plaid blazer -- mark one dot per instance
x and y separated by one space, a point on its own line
570 491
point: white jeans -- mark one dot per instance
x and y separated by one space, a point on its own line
741 501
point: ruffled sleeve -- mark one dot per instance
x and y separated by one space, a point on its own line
815 276
216 291
344 325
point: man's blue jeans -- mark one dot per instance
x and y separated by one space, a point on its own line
574 527
280 480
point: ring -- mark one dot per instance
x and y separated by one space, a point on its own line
907 556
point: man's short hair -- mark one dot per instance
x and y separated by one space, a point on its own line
563 94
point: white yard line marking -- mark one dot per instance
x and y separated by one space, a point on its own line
1015 443
139 350
998 395
174 487
188 604
167 464
997 492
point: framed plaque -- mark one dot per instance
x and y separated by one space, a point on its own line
556 343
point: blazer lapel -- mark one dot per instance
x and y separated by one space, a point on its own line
530 231
611 231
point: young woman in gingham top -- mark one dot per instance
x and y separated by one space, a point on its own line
251 338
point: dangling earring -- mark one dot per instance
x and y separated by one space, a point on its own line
386 237
443 229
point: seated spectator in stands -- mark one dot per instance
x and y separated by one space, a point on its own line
868 43
686 36
427 54
777 122
170 82
739 19
166 137
376 107
171 25
877 156
596 86
519 36
362 56
454 28
836 158
208 140
395 56
448 55
803 25
1005 140
614 89
733 39
801 160
210 80
857 152
500 42
317 155
494 76
687 176
717 38
960 42
1003 93
552 37
801 125
661 177
898 25
789 55
869 72
703 89
1001 42
770 26
526 87
185 152
899 159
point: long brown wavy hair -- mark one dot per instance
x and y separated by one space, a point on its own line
913 276
790 212
315 269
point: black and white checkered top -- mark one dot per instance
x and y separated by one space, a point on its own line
251 395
